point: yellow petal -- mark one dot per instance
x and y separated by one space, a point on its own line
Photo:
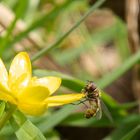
52 83
33 94
32 109
63 99
20 72
3 75
55 104
5 95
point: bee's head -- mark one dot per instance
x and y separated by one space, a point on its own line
90 86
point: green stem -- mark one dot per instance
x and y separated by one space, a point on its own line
47 49
7 116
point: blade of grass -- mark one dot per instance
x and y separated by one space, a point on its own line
103 35
126 125
98 37
76 119
47 49
25 129
131 133
56 118
29 131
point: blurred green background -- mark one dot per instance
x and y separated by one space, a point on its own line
99 49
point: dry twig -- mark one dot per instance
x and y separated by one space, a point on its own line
132 12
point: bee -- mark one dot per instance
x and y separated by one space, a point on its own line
96 105
92 95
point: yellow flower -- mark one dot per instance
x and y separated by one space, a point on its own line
31 95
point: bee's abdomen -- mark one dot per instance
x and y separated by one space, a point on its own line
90 113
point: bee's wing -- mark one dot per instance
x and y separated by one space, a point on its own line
106 111
99 113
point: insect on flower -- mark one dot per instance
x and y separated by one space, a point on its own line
30 94
92 95
96 105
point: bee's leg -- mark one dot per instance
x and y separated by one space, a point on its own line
75 103
84 104
80 102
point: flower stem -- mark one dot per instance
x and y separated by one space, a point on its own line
7 115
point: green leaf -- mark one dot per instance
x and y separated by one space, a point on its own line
121 122
25 129
56 118
7 115
6 131
2 108
125 125
28 131
79 120
131 133
21 8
